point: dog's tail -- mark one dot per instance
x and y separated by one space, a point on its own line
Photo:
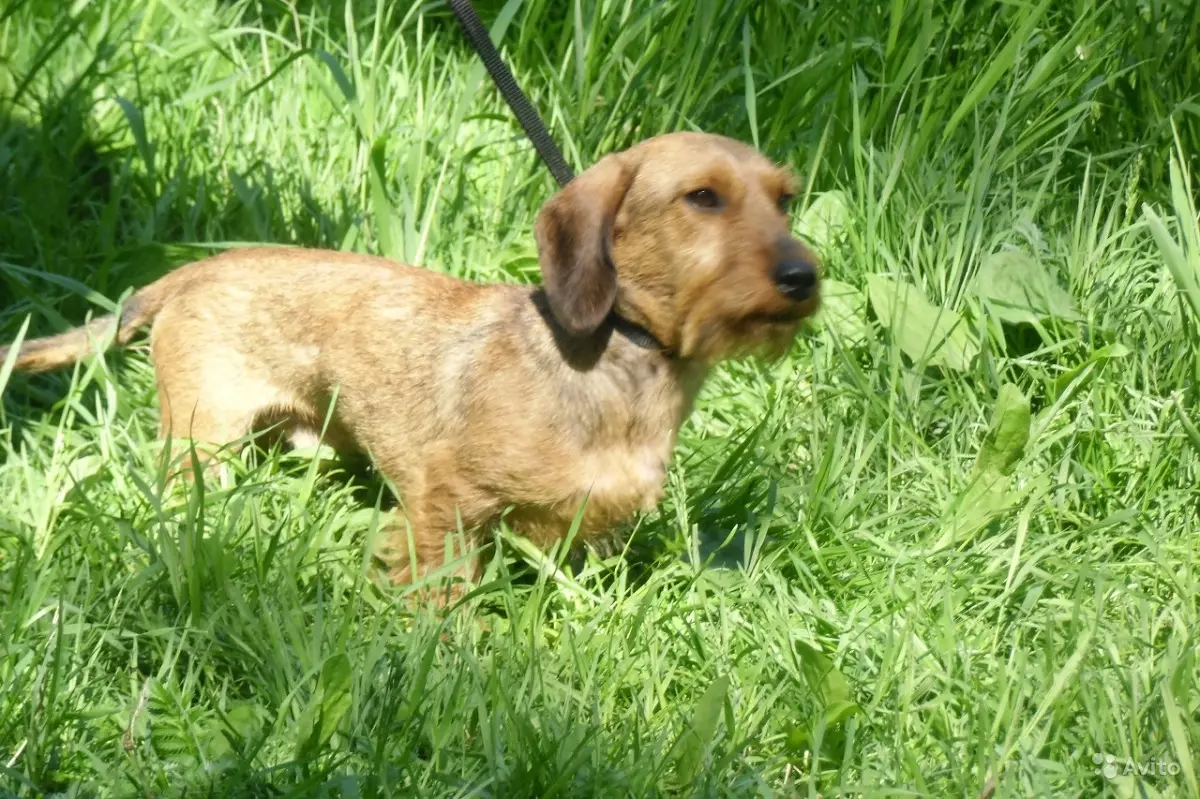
66 349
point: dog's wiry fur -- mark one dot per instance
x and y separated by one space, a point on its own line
474 398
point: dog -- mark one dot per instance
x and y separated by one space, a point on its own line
540 403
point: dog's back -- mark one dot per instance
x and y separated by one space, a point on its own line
274 277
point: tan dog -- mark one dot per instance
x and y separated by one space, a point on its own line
476 399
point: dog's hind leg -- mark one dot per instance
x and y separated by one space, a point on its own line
200 420
210 397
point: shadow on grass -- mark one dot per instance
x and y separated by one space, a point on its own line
86 216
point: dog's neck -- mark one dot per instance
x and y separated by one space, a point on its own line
624 349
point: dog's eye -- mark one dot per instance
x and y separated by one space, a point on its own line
706 199
785 202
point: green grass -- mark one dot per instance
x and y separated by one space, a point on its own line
961 516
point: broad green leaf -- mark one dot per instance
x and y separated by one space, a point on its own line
335 690
822 676
827 682
925 332
1067 386
839 711
984 499
1019 289
1009 433
843 311
690 748
824 219
988 495
1130 786
241 723
79 471
328 705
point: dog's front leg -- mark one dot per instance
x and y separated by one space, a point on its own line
434 535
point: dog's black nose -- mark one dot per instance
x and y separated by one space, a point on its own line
796 276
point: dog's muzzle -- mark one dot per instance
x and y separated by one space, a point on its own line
795 272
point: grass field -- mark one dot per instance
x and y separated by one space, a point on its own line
948 547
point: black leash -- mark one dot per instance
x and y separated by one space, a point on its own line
535 129
516 99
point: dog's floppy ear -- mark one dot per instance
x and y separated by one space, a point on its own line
574 237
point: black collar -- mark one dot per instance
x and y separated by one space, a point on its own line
583 352
637 334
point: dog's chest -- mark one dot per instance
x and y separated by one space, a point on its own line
625 478
624 467
627 416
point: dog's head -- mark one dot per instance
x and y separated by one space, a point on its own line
686 234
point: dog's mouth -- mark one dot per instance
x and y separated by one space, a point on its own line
749 330
788 316
781 318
